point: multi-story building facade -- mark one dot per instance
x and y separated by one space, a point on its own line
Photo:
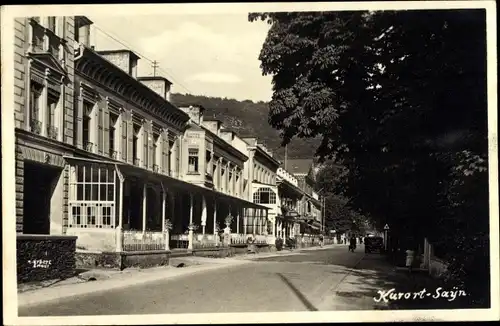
310 207
262 169
43 102
290 196
216 162
103 154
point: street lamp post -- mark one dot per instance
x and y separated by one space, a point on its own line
322 210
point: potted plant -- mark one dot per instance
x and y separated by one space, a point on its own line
279 244
228 220
168 226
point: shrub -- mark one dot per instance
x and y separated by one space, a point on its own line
279 244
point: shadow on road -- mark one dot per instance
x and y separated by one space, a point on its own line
374 273
299 294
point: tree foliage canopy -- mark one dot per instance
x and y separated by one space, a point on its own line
399 101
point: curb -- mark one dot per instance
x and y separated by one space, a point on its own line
47 295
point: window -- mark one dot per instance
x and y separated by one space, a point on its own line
135 144
264 196
156 138
52 100
193 161
35 95
208 169
145 153
87 111
91 196
124 141
51 24
77 32
222 179
113 118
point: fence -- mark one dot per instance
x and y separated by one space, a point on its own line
179 241
143 241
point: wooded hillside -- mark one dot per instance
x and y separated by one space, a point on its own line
248 118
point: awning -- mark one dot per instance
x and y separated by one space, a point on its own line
170 182
314 227
316 224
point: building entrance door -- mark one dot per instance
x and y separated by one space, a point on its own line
39 184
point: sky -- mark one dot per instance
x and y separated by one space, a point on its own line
213 55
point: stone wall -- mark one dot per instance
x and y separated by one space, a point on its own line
45 257
122 260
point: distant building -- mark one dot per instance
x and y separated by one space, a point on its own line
310 207
262 169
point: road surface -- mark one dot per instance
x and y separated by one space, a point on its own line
301 282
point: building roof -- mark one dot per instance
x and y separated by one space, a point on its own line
131 53
154 78
301 166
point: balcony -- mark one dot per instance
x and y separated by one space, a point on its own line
113 154
52 132
36 126
88 146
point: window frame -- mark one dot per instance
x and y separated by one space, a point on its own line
92 212
193 155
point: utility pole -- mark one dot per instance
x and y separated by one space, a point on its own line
154 65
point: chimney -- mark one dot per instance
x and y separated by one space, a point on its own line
159 85
123 59
213 125
227 135
195 113
252 141
82 30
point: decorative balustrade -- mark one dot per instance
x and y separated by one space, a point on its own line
52 132
36 126
143 241
238 238
260 238
179 241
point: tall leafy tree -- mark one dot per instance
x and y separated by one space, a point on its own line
399 100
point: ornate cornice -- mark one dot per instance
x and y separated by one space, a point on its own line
96 68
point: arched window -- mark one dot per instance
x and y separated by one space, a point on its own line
264 196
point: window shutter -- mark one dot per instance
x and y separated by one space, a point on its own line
130 138
105 131
177 157
124 128
151 141
165 147
145 140
98 124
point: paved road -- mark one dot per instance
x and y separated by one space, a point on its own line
301 282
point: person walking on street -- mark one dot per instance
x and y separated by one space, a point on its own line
352 243
321 241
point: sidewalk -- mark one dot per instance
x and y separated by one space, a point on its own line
100 280
375 284
115 280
